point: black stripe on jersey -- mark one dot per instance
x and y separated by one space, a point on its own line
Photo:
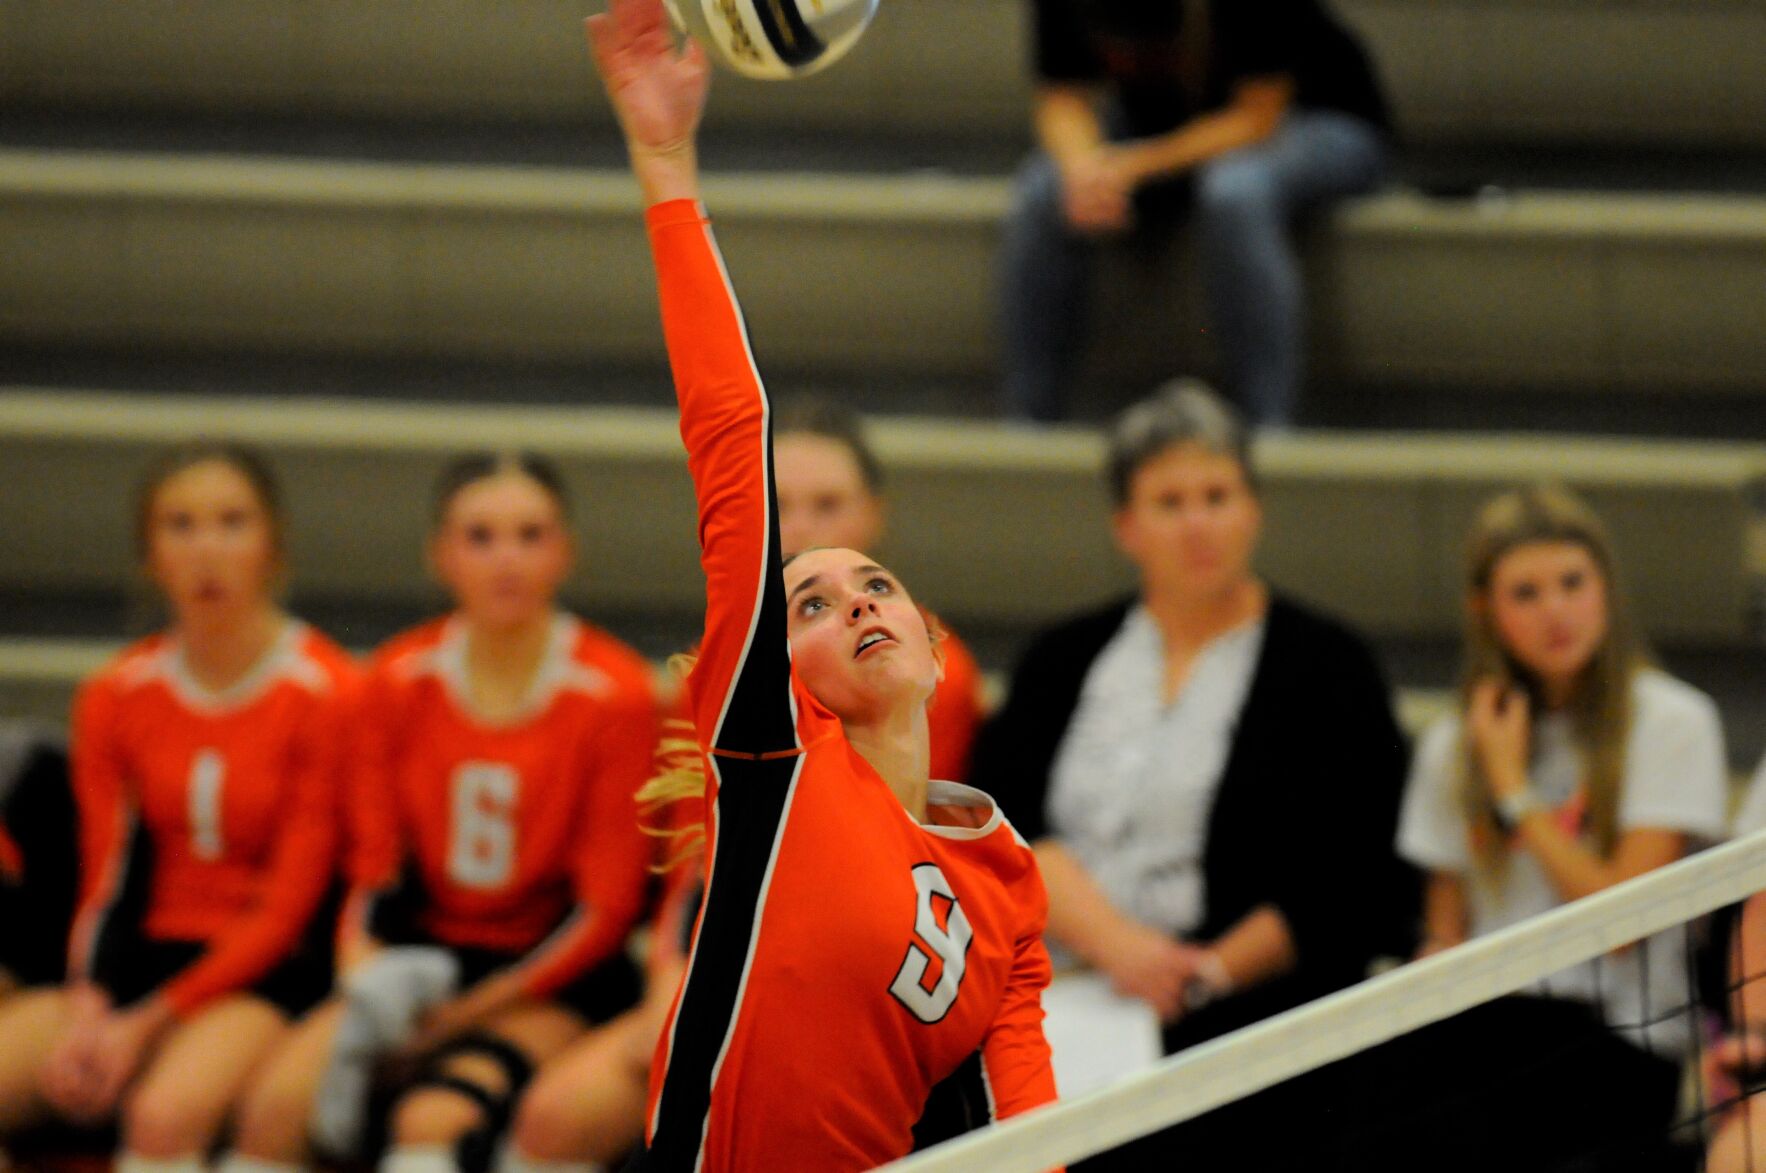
120 922
958 1103
759 716
748 834
791 38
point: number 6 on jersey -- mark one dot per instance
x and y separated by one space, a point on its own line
950 941
481 853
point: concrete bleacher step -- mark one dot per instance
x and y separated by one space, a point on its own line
1621 71
1006 527
843 273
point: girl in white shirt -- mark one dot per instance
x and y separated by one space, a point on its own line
1571 765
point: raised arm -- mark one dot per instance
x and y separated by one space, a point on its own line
740 687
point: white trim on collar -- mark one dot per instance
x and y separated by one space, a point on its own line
956 794
558 671
282 659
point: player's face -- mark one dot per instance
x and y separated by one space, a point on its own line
502 550
1547 603
858 640
1191 522
823 498
211 544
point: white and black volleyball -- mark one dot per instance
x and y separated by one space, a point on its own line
774 39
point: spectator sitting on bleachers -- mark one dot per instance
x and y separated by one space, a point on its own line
1251 110
205 769
495 860
1210 773
1571 765
38 858
1735 1063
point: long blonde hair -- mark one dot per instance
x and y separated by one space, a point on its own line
680 776
1600 707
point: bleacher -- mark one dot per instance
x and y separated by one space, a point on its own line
287 221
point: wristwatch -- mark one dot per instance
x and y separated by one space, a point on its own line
1208 983
1512 809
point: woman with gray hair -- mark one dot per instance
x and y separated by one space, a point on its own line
1210 773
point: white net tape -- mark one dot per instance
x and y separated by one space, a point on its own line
1205 1077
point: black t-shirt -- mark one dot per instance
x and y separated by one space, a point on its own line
1139 48
37 900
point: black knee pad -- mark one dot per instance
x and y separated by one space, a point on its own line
476 1150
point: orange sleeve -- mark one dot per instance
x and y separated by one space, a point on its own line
612 866
299 871
101 800
1015 1055
370 802
956 712
741 683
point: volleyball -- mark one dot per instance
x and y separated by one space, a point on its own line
774 39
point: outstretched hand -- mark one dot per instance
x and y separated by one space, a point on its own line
657 90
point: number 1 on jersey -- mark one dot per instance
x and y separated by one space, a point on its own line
481 847
208 769
950 941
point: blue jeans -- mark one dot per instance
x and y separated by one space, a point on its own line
1244 203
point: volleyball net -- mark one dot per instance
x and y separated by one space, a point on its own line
1488 1056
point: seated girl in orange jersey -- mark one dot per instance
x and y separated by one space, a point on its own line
587 1107
869 936
206 765
584 1112
496 865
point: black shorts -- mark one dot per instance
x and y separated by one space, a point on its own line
295 986
602 993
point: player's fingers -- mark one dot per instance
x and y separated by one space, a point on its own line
598 29
693 54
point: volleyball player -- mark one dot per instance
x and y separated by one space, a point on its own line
868 934
830 491
587 1106
39 858
584 1112
491 816
205 765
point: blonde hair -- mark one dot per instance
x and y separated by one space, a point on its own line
680 773
1600 706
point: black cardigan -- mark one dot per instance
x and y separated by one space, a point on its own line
1307 809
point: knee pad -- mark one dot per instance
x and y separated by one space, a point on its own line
476 1150
383 999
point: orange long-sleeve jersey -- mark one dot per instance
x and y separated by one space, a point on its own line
848 961
523 836
237 793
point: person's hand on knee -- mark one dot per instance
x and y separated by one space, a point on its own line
1096 194
66 1076
122 1046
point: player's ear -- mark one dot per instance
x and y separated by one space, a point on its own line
935 637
